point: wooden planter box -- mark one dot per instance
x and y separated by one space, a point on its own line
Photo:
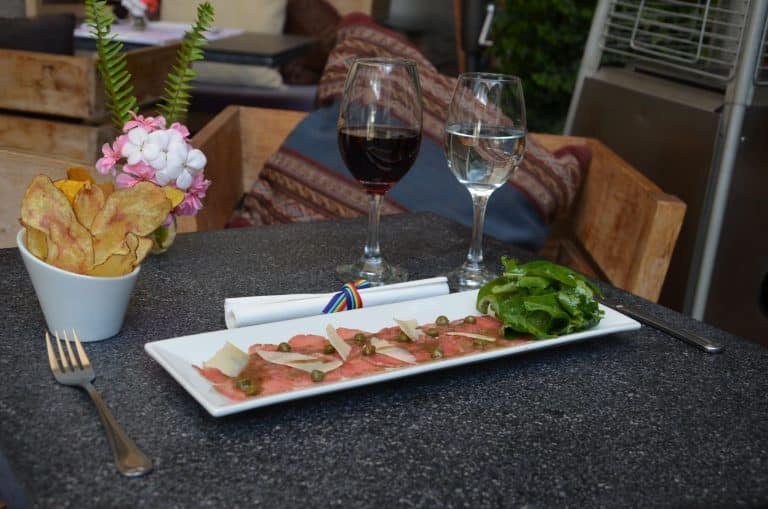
67 140
236 143
70 86
55 105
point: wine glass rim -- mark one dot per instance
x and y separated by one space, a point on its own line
383 60
489 76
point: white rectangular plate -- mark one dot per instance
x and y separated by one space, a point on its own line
177 355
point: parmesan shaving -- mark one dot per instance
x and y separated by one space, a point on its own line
470 335
230 360
299 361
386 348
339 344
410 328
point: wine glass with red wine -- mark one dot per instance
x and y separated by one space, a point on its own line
484 142
379 138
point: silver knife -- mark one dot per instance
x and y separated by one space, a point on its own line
687 336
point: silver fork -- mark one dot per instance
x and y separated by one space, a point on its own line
129 459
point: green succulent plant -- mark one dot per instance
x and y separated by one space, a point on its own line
113 68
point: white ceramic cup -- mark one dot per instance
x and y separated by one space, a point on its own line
93 306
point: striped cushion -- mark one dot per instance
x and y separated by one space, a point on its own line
306 180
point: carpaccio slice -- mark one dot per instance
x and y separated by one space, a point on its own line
262 378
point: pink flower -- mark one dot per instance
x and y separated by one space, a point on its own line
126 180
107 163
120 141
193 200
149 123
133 174
181 129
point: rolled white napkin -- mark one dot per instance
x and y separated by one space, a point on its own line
243 311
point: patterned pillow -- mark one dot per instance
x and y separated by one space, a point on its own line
306 180
549 180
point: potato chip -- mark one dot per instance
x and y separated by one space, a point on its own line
79 173
140 210
71 187
119 263
142 251
107 188
114 266
37 242
175 195
88 202
47 209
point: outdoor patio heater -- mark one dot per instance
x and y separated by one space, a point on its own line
679 88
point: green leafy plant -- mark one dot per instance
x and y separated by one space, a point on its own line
178 85
112 64
113 67
542 42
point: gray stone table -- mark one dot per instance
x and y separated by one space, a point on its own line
633 419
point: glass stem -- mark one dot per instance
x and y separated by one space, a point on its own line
475 254
372 252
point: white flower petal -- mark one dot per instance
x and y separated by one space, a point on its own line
162 178
173 170
175 137
150 151
179 148
184 180
176 160
159 162
135 157
159 138
137 135
196 161
128 149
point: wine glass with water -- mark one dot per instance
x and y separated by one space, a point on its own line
484 143
379 134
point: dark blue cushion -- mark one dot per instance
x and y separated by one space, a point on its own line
429 185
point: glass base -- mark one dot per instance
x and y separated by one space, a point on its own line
377 274
469 277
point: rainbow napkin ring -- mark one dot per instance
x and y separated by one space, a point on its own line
348 297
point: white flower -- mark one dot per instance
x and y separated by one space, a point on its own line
193 164
175 156
139 147
161 139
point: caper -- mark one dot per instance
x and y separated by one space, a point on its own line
403 337
470 320
247 386
369 349
329 349
437 353
359 338
432 332
317 375
442 320
283 347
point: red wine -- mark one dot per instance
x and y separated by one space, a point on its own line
379 157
